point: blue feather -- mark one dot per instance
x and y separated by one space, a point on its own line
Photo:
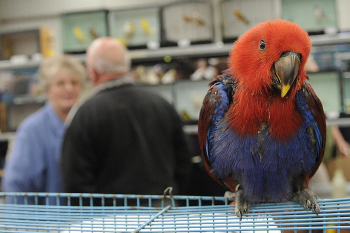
262 164
309 119
266 177
219 95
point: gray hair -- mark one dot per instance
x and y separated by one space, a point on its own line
50 67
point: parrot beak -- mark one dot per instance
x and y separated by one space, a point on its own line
286 70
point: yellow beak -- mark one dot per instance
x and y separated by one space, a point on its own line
285 89
286 70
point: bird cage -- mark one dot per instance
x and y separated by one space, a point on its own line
314 16
63 212
80 29
238 16
190 21
138 27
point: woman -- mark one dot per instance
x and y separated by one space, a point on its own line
33 165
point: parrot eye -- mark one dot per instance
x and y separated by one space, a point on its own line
262 45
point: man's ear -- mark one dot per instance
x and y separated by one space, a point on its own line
93 75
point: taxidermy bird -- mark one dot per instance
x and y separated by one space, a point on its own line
146 27
262 128
79 34
129 30
319 14
93 33
240 16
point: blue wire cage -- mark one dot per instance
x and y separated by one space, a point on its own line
63 212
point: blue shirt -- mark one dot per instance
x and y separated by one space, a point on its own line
33 165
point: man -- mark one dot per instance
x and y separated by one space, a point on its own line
123 139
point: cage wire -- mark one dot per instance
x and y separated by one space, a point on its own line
74 212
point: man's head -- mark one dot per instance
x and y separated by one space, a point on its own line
107 59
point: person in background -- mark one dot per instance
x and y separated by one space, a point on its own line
341 137
123 139
33 164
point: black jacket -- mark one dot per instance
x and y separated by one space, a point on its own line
125 140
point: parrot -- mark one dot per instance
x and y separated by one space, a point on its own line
261 127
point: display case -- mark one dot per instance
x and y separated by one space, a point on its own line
188 22
315 16
80 29
16 113
20 95
326 86
164 90
136 27
26 44
189 96
345 91
239 16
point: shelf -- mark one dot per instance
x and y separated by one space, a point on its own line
324 189
193 129
330 39
8 65
7 136
339 122
218 49
190 129
203 50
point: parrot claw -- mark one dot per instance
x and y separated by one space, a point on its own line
242 204
239 214
308 199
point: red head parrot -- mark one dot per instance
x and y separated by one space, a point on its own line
261 128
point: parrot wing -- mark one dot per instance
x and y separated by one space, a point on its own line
311 109
215 105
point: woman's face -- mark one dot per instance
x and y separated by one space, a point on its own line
63 91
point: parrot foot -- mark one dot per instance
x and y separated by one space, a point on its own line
242 204
230 195
308 199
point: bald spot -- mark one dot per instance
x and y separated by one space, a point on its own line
107 48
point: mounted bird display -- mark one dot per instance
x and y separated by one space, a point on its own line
261 128
240 17
79 34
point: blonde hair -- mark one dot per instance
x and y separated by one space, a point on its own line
51 66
